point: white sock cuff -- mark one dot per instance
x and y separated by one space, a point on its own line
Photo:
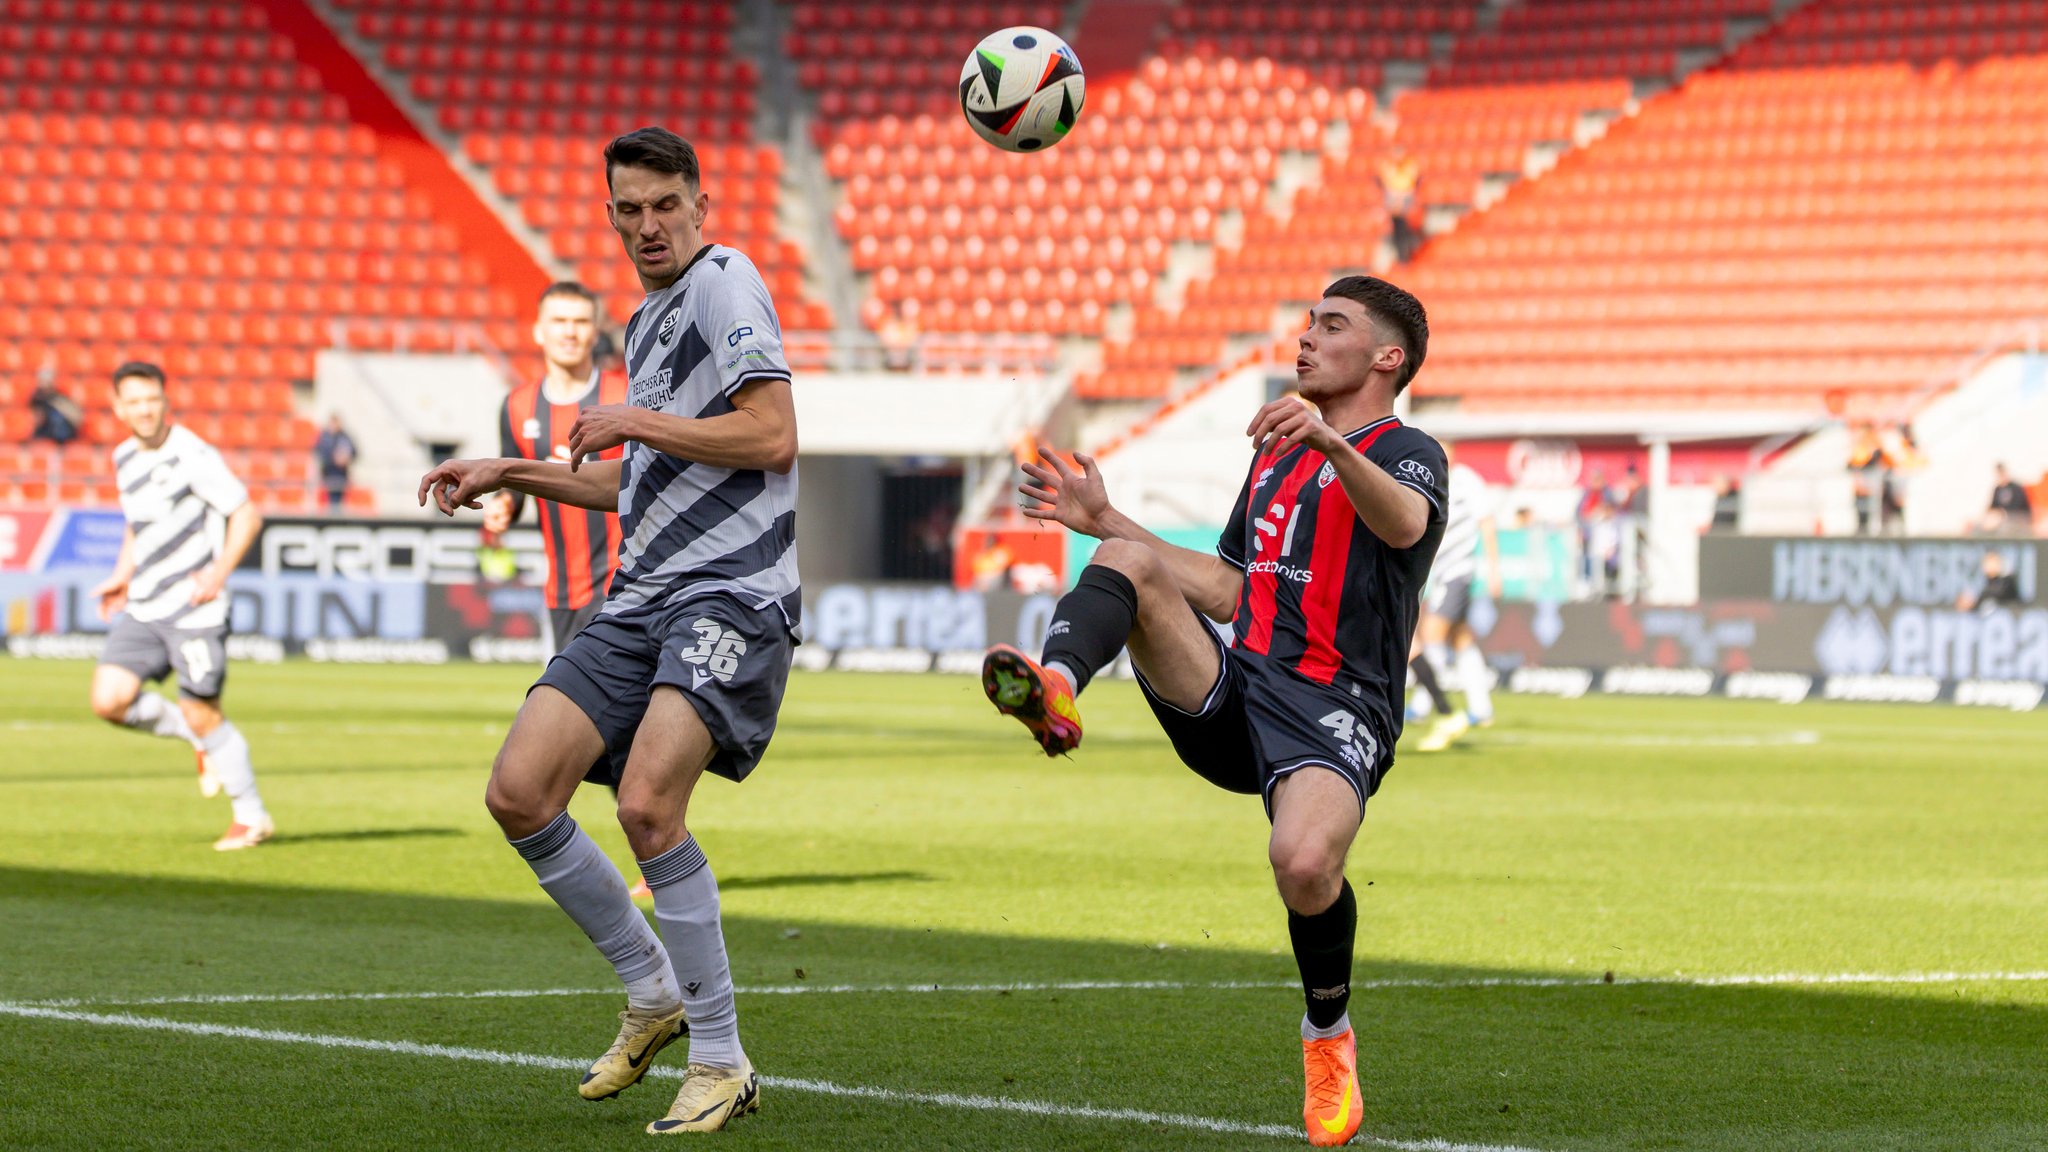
548 841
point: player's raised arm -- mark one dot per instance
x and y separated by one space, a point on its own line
1078 499
760 431
1395 512
461 483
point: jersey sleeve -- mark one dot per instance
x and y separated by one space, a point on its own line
213 483
1418 462
1230 545
745 335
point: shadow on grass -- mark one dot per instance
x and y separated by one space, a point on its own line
1586 1066
285 840
818 880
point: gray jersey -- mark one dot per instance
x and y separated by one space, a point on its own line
1457 558
688 528
177 498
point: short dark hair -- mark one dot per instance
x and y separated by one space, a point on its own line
655 149
573 289
1397 309
142 368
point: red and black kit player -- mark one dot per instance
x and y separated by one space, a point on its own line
582 544
1319 574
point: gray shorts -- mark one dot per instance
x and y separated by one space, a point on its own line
1452 600
731 661
153 651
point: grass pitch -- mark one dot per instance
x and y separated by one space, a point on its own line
1758 879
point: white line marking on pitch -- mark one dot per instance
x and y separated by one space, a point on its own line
1767 740
818 1087
1766 979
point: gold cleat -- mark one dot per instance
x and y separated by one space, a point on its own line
641 1036
710 1099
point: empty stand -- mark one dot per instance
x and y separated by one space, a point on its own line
180 187
534 91
1779 232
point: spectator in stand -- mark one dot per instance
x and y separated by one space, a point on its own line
1866 464
1400 179
1999 590
1727 504
335 452
2011 512
58 417
1901 456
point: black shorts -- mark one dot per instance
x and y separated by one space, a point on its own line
1263 722
153 651
565 623
1452 600
731 661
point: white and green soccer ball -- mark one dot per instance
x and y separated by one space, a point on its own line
1021 89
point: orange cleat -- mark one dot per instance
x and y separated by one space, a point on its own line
1043 701
640 890
1330 1107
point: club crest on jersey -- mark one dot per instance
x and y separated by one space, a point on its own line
530 430
1418 471
667 331
1328 474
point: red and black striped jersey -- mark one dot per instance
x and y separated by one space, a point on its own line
1323 596
582 543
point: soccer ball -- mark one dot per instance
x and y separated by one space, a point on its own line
1021 89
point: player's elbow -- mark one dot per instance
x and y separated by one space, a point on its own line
781 456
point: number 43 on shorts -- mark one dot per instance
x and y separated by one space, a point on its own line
1353 740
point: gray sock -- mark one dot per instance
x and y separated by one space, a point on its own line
157 716
228 755
587 885
686 903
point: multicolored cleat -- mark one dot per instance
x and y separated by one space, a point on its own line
1044 702
240 836
1330 1107
641 1036
710 1098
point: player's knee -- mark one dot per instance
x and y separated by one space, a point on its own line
518 811
651 826
112 706
1137 562
200 715
1308 875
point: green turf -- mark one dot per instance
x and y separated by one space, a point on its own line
899 834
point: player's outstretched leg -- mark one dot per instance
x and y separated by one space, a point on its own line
671 751
119 699
551 744
1126 596
1315 818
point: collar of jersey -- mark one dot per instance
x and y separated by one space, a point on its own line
1371 426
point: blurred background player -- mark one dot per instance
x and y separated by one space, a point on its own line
582 544
1448 644
1319 571
683 670
189 523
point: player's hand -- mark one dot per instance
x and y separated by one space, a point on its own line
207 585
457 484
113 596
1065 495
1290 421
601 429
498 513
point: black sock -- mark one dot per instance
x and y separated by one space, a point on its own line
1426 676
1091 623
1322 950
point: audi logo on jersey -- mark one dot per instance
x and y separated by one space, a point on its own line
1417 470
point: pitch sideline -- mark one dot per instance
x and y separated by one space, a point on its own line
817 1087
1753 980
